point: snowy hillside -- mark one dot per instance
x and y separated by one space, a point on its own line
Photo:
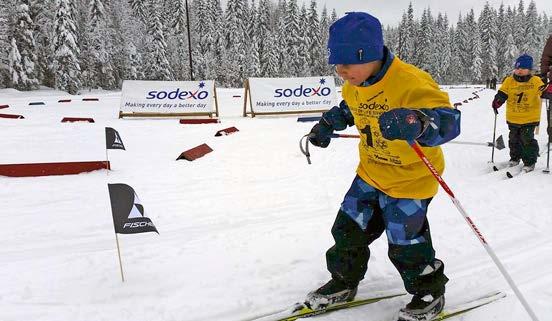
244 229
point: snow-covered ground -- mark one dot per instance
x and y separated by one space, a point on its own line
244 229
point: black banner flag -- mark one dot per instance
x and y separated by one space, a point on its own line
127 210
113 139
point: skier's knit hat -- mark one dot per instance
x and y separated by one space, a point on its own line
355 39
524 62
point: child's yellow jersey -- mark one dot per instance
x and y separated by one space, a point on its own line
524 103
392 166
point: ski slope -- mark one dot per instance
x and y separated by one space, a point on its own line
243 230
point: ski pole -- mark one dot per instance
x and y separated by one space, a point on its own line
494 135
548 130
474 228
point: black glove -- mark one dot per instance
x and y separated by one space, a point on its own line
499 100
320 134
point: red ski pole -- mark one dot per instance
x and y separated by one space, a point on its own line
474 228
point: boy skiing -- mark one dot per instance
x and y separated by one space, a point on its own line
390 102
522 92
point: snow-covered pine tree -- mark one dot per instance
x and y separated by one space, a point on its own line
519 25
488 33
532 36
263 30
408 36
5 43
302 66
293 60
177 41
217 35
17 74
99 70
253 57
474 43
325 23
441 47
127 41
502 34
424 38
464 48
281 40
43 13
66 50
455 68
23 34
234 55
157 66
317 45
511 51
140 9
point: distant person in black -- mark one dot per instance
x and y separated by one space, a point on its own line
493 83
488 83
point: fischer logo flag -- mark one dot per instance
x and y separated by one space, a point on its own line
128 212
113 139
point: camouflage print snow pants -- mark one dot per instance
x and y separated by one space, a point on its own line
364 214
522 143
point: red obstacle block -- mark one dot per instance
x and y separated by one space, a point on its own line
227 131
195 152
236 96
199 121
4 106
36 103
470 98
90 99
457 104
74 119
49 169
11 116
465 101
64 101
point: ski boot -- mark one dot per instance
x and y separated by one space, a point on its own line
422 308
512 163
528 168
334 291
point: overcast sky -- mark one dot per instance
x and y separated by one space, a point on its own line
390 11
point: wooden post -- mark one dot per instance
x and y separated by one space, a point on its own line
120 261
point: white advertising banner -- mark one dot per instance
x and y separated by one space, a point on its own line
277 95
141 96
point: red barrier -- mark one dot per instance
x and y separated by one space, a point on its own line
199 121
74 119
49 169
227 131
36 103
4 106
64 101
11 116
90 99
195 152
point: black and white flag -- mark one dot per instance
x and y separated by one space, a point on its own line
127 210
113 139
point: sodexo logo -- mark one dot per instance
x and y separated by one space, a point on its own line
303 91
179 94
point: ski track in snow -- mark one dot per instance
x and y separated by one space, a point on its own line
244 229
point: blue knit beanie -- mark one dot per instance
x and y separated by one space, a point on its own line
524 62
355 39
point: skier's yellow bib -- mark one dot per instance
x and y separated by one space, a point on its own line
392 166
